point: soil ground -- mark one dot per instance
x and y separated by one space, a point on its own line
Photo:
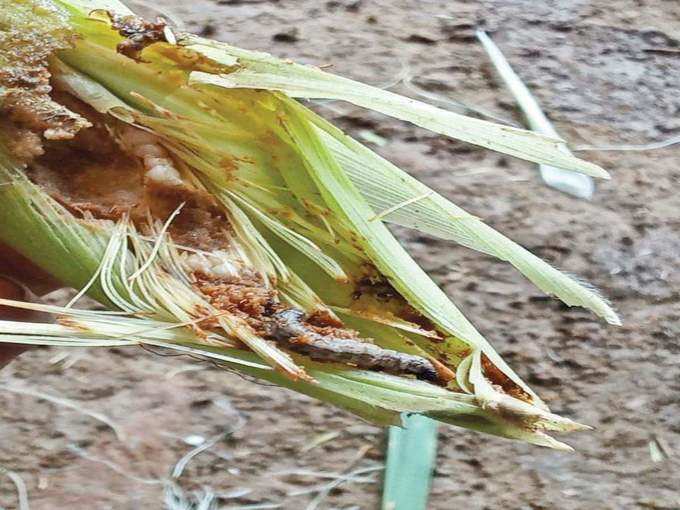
606 72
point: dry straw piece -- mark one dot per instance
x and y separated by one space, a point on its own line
177 180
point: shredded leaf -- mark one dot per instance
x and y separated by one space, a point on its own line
262 71
303 207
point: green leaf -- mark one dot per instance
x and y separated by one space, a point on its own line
383 185
90 5
44 232
263 71
411 457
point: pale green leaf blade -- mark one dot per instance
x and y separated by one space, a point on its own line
383 185
263 71
90 5
411 457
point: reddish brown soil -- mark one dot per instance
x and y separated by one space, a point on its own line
607 72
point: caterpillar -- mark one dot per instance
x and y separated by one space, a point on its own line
289 328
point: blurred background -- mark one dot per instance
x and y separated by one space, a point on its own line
99 429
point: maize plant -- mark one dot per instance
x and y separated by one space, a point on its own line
180 182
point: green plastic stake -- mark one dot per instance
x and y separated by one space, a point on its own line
411 457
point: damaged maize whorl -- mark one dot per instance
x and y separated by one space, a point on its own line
179 182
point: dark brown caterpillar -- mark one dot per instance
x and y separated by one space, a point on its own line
288 327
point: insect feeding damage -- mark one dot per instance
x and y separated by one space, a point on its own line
138 33
26 108
98 167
